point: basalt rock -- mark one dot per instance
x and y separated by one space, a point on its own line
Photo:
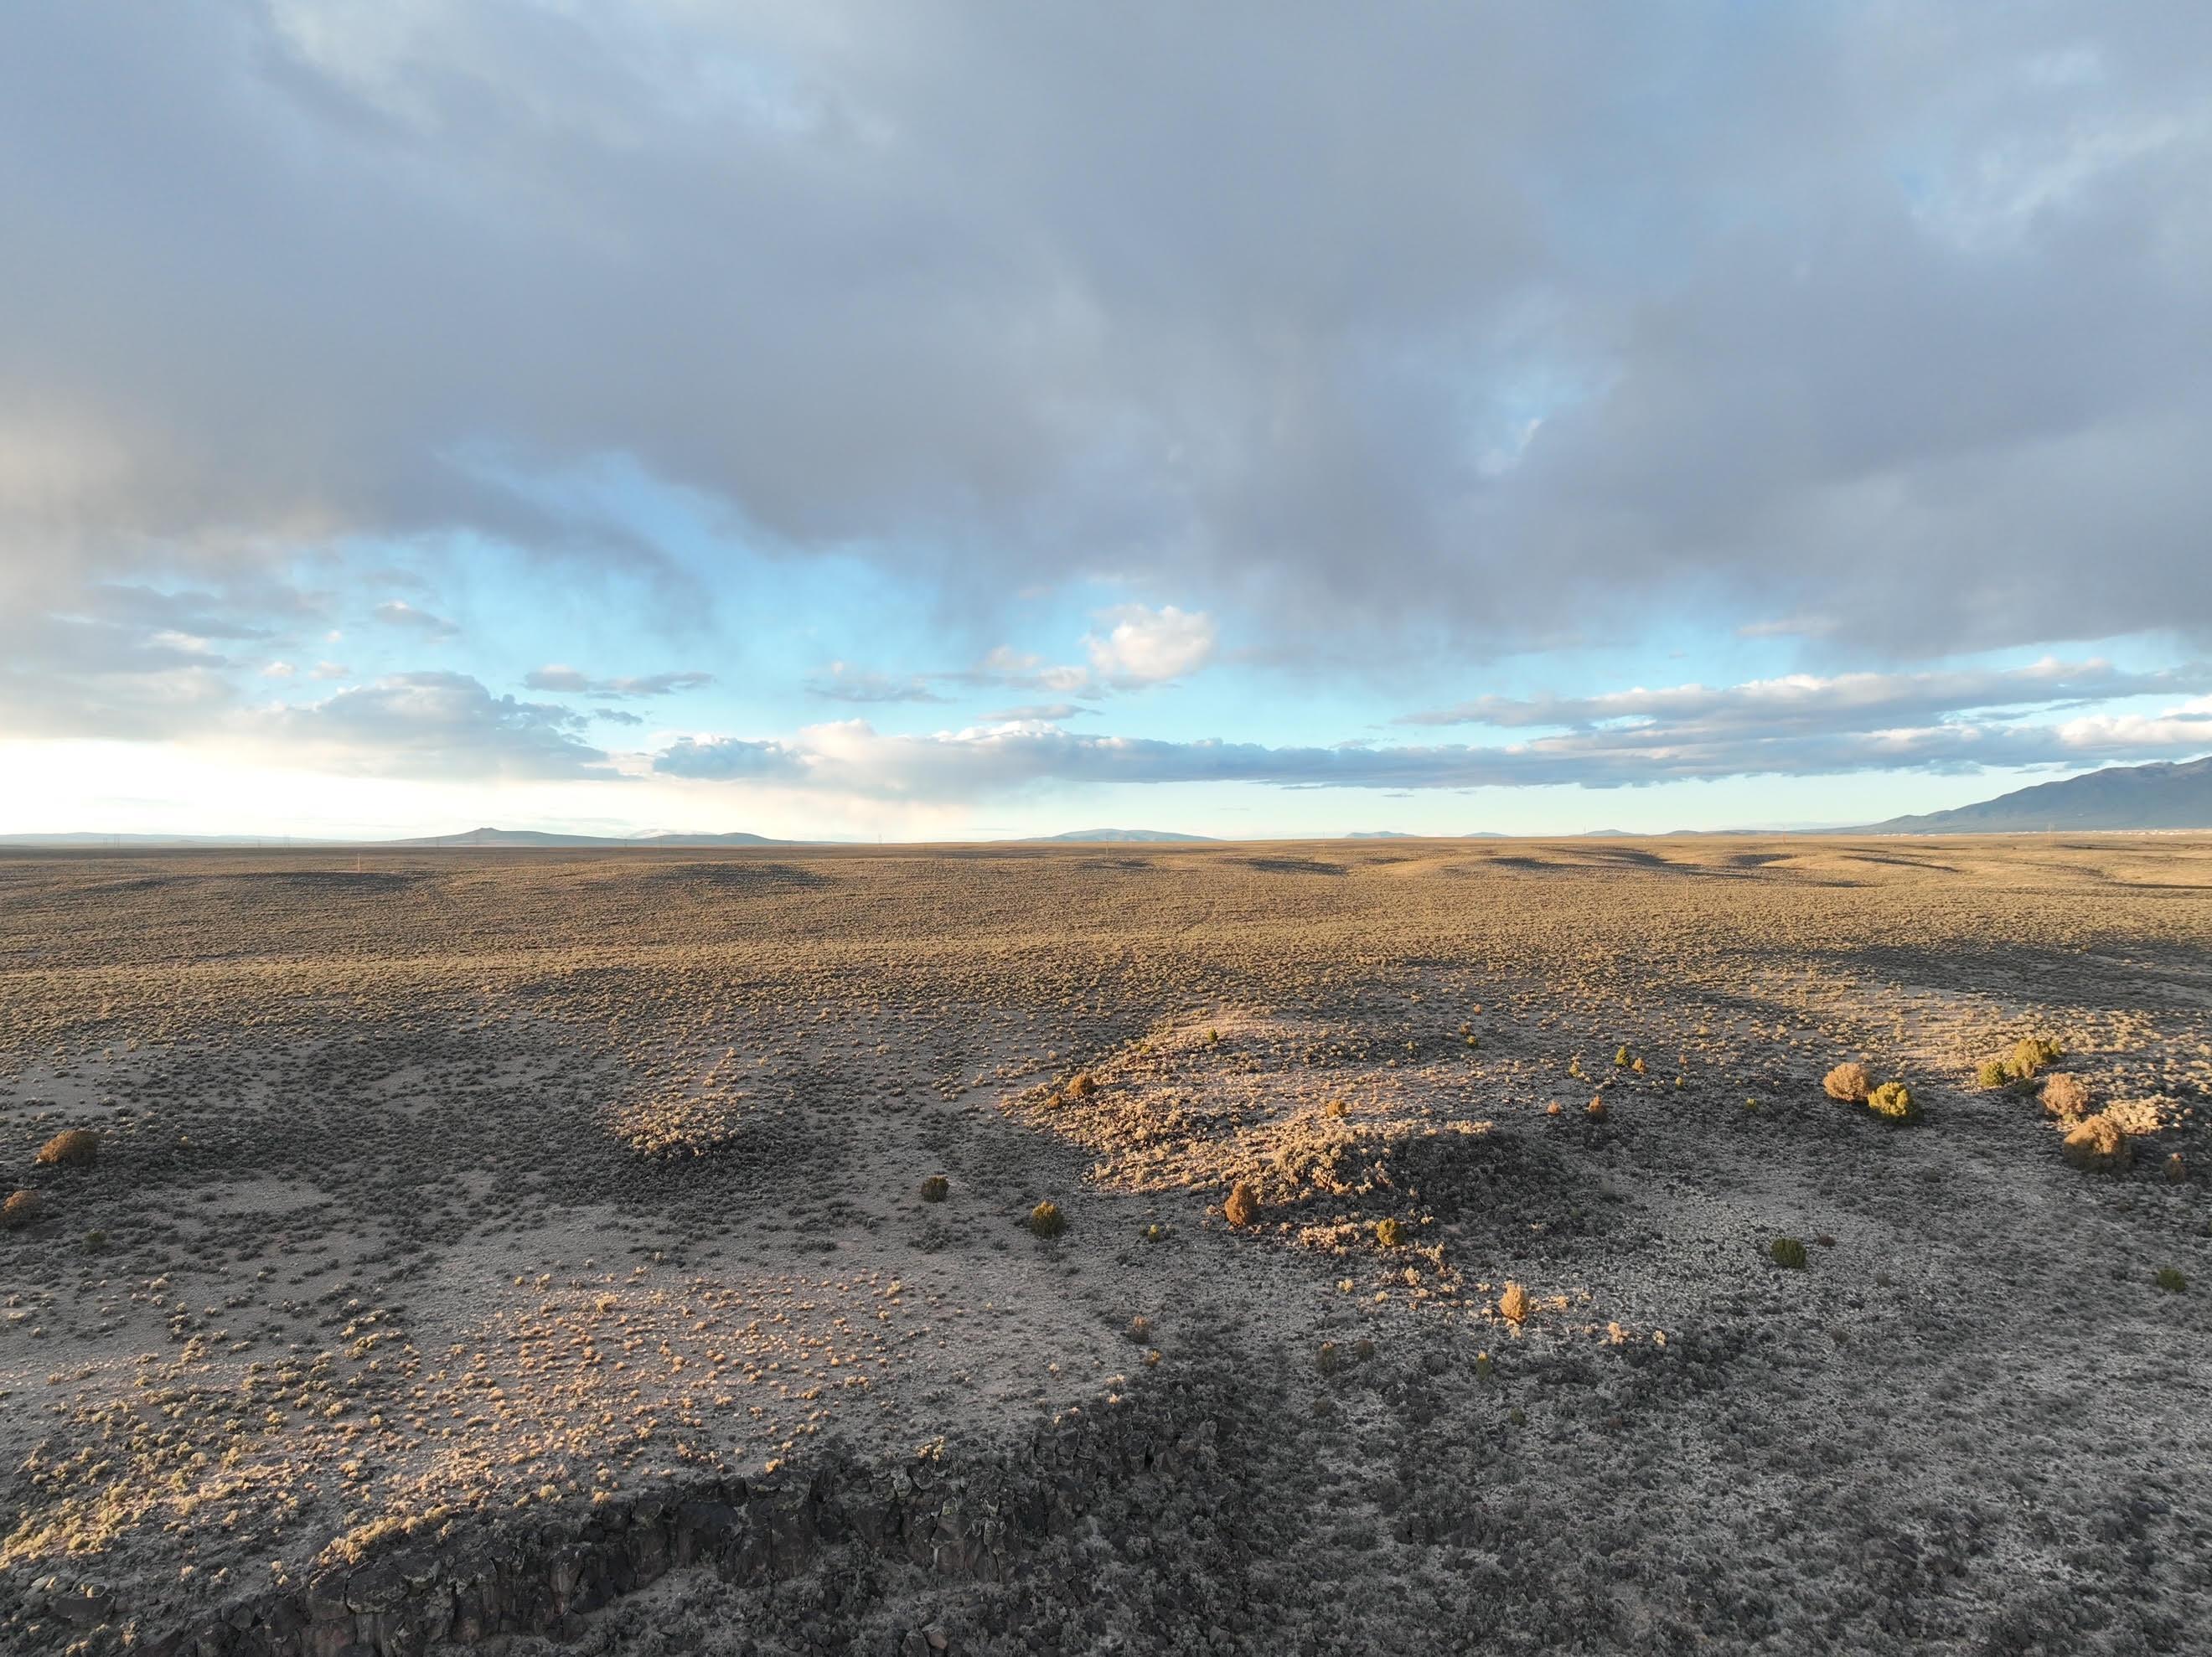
967 1517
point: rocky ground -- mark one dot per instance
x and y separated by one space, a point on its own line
534 1249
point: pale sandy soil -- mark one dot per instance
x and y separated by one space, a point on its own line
469 1197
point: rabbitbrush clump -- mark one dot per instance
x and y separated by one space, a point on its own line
1893 1100
1046 1220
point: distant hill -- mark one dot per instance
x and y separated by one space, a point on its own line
1379 834
1117 837
2126 796
517 837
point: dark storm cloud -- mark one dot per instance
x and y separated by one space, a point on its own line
1485 324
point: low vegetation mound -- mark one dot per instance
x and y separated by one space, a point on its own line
22 1209
1788 1253
1046 1220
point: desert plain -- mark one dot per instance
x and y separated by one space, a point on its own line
627 1251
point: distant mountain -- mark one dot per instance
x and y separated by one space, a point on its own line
2125 796
1379 834
1116 836
521 837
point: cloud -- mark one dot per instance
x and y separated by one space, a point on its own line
1544 318
559 678
1149 647
846 683
851 757
398 612
429 725
1045 712
1805 702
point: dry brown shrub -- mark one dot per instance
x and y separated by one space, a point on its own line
2097 1143
1595 1109
74 1147
2066 1097
1046 1220
1513 1303
1849 1082
2177 1171
1244 1204
22 1209
936 1188
1082 1087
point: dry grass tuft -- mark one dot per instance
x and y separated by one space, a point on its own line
1893 1101
75 1147
2066 1097
2099 1144
1046 1220
1244 1204
1513 1303
1849 1082
22 1208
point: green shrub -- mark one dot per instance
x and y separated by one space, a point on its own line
1788 1252
2033 1054
1389 1232
75 1147
1046 1220
1893 1100
2170 1279
935 1188
1993 1073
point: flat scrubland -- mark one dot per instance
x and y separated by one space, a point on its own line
547 1247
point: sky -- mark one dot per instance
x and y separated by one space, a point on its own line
949 420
